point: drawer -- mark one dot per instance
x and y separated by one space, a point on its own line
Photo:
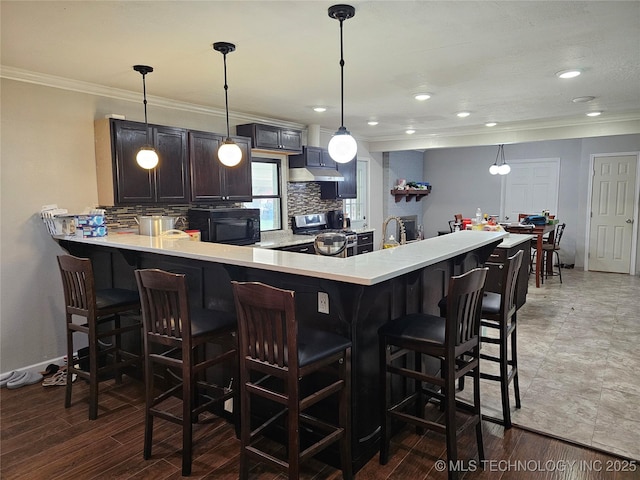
365 248
499 255
365 238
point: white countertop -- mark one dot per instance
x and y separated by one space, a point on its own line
367 269
287 238
513 239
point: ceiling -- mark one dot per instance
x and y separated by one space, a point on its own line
495 59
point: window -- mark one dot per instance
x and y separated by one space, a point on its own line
356 208
265 176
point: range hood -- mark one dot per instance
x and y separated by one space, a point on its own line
314 174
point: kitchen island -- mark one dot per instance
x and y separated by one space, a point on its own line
365 291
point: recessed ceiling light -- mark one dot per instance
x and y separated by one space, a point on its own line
583 99
422 96
594 114
568 73
373 123
490 124
410 131
319 109
463 114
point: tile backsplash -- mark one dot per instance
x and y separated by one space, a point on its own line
302 198
124 217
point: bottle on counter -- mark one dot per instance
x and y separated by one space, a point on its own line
478 216
420 233
391 242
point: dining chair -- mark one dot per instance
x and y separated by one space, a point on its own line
103 310
277 355
175 337
454 341
551 253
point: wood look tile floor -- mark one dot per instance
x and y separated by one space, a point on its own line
40 439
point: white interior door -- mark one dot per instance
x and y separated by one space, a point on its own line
531 187
612 213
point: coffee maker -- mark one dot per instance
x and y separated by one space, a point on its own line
335 219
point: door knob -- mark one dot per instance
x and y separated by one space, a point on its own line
629 220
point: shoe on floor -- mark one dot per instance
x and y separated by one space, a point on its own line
7 377
25 378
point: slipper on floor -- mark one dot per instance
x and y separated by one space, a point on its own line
51 368
25 378
59 378
8 377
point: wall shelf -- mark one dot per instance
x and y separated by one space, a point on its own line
410 193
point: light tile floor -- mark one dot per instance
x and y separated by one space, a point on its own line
579 361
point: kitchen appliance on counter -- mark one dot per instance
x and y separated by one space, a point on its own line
316 223
234 226
335 219
331 244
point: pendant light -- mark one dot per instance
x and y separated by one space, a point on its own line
229 152
147 156
342 146
502 168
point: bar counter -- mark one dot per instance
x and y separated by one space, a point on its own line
365 291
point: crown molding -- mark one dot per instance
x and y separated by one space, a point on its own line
19 75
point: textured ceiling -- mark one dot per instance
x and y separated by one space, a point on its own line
495 59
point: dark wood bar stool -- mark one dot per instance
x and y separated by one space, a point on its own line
173 341
276 356
99 307
499 313
455 342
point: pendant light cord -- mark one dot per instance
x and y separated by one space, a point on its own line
144 96
341 78
226 97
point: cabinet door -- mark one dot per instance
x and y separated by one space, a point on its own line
267 137
326 160
291 139
236 181
204 166
171 172
133 184
345 189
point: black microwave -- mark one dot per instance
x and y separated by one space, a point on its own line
234 226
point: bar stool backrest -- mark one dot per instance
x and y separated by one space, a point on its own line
464 304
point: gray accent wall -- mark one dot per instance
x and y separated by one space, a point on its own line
461 183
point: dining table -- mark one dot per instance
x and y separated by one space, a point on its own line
539 231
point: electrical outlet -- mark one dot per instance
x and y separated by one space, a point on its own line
323 302
228 405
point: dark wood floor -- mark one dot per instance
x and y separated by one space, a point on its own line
40 439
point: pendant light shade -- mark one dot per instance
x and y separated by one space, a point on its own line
229 152
147 156
342 146
501 168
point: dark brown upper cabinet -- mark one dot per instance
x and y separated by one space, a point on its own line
268 137
212 181
345 189
121 181
312 157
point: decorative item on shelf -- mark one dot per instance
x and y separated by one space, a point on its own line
229 152
147 156
409 190
501 168
342 146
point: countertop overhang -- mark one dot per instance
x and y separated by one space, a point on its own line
367 269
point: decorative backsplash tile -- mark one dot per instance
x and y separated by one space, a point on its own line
124 217
304 198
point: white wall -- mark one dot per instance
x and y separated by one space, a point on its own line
48 157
